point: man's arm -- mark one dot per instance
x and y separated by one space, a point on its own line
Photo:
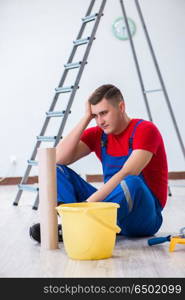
133 166
70 148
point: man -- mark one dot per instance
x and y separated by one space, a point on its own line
133 158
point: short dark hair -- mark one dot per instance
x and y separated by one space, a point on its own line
107 91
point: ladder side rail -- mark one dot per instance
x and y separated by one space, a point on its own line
71 56
26 174
36 203
61 82
79 35
54 101
136 61
83 24
80 72
23 180
160 76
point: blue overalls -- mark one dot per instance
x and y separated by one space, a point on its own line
139 213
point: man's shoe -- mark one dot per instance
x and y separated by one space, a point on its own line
35 232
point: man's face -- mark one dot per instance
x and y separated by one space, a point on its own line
107 116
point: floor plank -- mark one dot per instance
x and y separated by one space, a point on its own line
22 257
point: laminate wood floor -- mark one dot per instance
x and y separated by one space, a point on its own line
22 257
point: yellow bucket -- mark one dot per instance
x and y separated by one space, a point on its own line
89 229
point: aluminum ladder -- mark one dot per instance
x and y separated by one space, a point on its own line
60 90
72 89
162 87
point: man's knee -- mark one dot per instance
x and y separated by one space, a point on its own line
134 181
134 178
62 168
136 186
62 171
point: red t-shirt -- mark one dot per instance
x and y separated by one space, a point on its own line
146 137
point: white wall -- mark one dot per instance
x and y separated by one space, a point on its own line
35 41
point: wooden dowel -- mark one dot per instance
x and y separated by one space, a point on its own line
48 198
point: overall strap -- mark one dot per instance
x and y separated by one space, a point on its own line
130 145
103 140
104 137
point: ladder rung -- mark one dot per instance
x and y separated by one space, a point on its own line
81 41
32 162
72 65
46 138
28 187
89 18
64 89
56 113
153 91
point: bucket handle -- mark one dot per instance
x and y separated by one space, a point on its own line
115 228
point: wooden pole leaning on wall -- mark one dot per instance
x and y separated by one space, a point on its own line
48 198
